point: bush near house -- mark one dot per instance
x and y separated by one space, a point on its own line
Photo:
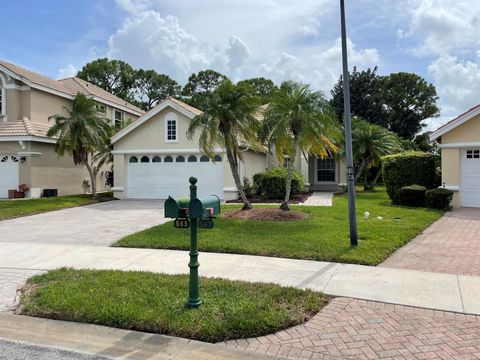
413 195
408 168
438 198
271 184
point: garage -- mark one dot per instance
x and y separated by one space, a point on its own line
470 178
160 176
8 174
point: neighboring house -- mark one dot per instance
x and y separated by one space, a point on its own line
27 155
459 141
154 159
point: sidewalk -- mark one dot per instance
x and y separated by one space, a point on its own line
444 292
112 343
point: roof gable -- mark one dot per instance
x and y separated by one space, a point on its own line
183 108
459 120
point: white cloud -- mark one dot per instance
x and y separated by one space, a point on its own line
458 85
67 71
440 26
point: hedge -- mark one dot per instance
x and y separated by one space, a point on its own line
271 184
408 168
438 198
413 195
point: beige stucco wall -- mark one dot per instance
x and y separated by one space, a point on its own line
43 105
467 132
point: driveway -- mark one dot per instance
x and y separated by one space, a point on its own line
450 245
100 224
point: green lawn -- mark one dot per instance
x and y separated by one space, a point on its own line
15 208
324 235
156 303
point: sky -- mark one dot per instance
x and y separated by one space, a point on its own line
277 39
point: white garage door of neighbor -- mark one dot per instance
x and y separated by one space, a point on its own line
8 174
160 176
470 178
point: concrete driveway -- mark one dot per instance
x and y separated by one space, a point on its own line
100 224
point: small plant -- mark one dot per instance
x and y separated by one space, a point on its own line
23 188
413 195
438 198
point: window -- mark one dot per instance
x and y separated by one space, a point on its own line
171 127
14 159
180 158
192 158
145 159
168 159
326 170
286 162
133 159
101 108
473 154
157 159
118 119
217 158
4 159
204 158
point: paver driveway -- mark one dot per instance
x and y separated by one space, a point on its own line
450 245
99 224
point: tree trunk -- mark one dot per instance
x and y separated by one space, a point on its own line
288 184
376 177
236 178
360 170
93 179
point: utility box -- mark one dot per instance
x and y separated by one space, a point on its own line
176 208
207 207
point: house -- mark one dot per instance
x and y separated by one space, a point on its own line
154 159
459 142
27 155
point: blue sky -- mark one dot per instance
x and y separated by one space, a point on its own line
279 39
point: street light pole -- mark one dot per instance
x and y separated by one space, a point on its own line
348 133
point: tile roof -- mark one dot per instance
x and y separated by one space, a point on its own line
69 86
23 127
187 107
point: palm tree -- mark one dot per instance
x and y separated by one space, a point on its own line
299 119
370 142
82 134
228 121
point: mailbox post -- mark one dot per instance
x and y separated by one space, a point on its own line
193 213
193 290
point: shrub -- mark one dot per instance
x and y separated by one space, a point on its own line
247 187
271 184
413 195
408 168
438 198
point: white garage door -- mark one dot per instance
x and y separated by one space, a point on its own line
8 174
470 178
160 176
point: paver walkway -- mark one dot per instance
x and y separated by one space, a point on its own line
319 199
450 245
357 329
99 224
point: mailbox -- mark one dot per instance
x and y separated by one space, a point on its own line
176 208
206 207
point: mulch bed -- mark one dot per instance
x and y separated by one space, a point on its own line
294 199
266 215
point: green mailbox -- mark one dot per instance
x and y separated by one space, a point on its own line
176 208
207 207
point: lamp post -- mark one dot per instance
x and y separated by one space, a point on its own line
348 133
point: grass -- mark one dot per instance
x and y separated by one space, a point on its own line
10 209
323 235
157 303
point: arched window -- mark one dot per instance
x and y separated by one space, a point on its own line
145 159
192 158
171 127
180 158
157 159
4 159
14 159
168 159
217 158
133 159
204 158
